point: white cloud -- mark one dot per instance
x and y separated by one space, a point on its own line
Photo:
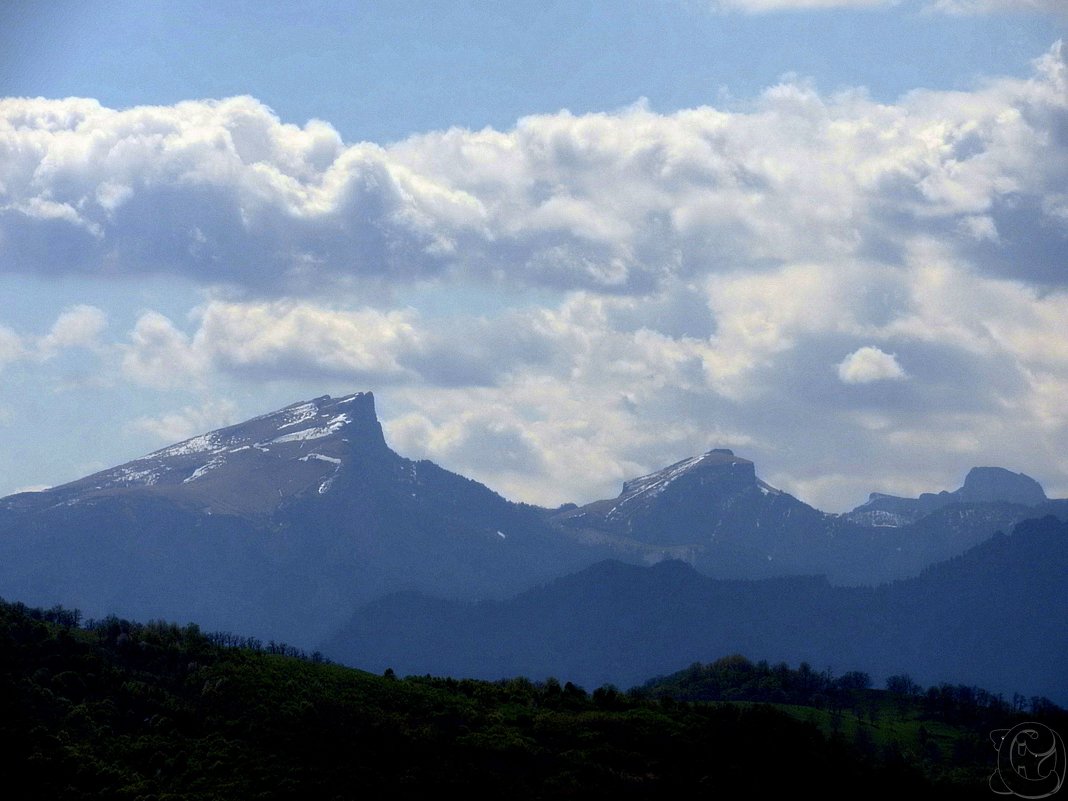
161 356
868 364
77 327
286 338
225 193
563 403
695 275
980 227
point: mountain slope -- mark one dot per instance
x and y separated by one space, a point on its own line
996 616
713 511
249 469
278 526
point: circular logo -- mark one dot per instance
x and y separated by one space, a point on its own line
1031 761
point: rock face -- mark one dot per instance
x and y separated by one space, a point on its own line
663 507
993 484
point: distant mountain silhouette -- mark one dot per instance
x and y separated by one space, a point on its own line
996 616
282 525
982 485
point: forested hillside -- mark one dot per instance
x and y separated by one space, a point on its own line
120 710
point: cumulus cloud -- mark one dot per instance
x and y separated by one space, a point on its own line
226 193
284 338
159 355
694 277
563 402
868 364
77 327
269 340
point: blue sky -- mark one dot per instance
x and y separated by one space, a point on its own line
383 71
564 243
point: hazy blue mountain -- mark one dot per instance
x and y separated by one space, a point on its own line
281 525
982 485
996 616
714 512
711 509
278 526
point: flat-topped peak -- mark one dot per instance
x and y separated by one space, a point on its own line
716 459
998 484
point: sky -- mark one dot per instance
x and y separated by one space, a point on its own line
564 243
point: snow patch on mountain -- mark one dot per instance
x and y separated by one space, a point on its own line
324 487
333 426
129 475
198 444
217 462
321 458
299 414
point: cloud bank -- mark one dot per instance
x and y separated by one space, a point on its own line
226 194
821 281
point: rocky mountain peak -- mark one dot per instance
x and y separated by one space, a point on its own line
989 484
718 466
252 466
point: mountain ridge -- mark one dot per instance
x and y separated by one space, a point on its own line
966 619
282 524
981 485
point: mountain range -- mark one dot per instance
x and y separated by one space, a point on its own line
992 617
287 525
